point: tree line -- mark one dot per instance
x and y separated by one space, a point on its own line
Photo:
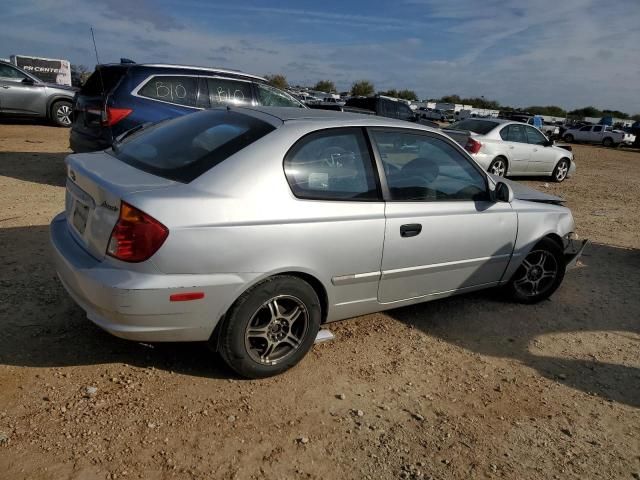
366 88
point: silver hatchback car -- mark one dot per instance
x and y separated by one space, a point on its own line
249 228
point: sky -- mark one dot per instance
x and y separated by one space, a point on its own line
571 53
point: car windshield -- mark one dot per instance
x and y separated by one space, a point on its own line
481 127
184 148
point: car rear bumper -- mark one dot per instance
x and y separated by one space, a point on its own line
82 142
135 305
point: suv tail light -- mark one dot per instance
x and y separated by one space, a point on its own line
112 115
473 146
136 236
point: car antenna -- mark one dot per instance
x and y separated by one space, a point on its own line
99 70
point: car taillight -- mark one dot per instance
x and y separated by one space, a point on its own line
112 115
473 146
136 236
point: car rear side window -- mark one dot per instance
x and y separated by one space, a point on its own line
516 133
179 89
223 91
103 80
332 165
184 148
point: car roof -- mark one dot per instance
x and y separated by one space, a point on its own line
186 67
328 117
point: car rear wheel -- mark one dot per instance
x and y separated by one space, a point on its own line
498 167
561 171
61 113
540 273
568 137
270 327
607 142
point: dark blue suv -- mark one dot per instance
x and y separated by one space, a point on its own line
119 97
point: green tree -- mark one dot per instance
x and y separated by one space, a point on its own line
362 88
615 114
585 112
326 86
408 95
636 117
390 93
277 80
551 110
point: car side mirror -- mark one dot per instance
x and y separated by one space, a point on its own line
28 81
503 193
549 143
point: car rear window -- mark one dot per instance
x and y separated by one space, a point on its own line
104 79
184 148
481 127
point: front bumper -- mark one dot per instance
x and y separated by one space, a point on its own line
573 249
135 305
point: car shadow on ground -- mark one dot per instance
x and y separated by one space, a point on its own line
602 295
42 326
37 167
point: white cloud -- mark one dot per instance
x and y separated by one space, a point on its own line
545 52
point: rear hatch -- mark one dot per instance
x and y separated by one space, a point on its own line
89 112
96 184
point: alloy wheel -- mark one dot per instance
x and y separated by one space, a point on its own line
63 115
561 171
276 330
498 167
537 273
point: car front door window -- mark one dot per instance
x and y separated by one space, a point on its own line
534 137
438 200
9 73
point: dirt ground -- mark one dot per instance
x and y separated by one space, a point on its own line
468 387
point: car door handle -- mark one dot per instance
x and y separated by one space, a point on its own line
5 86
410 230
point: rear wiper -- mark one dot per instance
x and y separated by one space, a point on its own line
120 138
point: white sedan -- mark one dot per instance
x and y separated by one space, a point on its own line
503 147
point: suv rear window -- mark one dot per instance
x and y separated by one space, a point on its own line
184 148
481 127
111 75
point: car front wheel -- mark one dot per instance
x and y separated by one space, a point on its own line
61 113
271 327
561 171
540 273
568 137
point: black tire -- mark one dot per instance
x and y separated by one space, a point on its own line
568 137
607 142
61 113
521 285
241 350
561 170
499 166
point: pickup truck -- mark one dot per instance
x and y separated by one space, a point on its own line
437 114
378 105
604 134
